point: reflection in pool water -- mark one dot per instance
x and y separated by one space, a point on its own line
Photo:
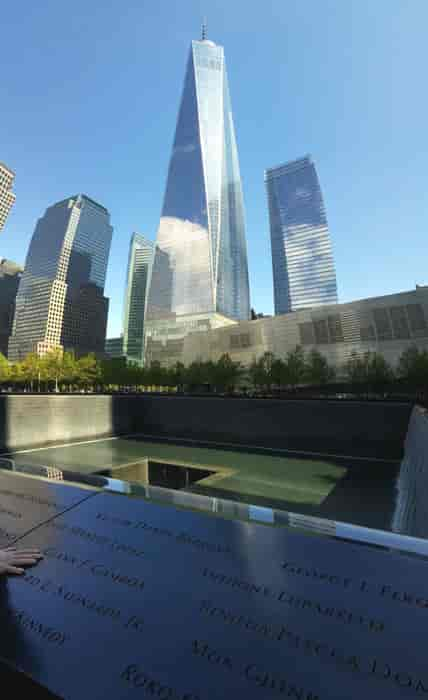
375 494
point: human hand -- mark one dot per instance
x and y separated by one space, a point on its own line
12 560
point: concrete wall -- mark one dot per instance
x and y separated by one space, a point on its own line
411 514
339 427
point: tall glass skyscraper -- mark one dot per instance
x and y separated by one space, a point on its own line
10 275
7 197
139 268
302 257
200 273
60 300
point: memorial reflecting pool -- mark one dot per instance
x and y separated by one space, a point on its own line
353 490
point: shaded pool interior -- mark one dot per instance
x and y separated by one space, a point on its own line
354 490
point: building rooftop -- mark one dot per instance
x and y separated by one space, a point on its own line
289 165
3 165
8 267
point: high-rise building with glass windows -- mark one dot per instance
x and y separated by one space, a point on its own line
302 258
200 274
139 267
60 300
7 197
10 275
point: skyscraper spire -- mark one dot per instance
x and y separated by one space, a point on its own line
204 29
200 270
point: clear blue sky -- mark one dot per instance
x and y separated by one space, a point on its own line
89 94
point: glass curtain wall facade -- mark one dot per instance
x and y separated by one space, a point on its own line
10 275
7 197
60 301
139 268
200 262
302 258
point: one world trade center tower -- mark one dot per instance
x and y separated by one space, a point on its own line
200 274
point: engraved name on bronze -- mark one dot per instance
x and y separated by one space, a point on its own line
137 677
94 538
45 632
386 591
94 568
180 538
296 602
253 673
343 660
133 622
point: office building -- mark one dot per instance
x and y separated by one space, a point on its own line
114 347
139 268
302 259
60 302
7 197
388 325
200 273
10 275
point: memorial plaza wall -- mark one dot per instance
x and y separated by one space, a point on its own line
387 324
341 427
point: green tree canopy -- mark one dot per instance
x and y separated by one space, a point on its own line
31 368
371 369
196 374
88 370
5 369
318 371
296 366
356 368
256 373
279 372
225 372
413 367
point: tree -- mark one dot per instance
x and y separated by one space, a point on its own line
31 369
69 369
224 373
196 374
318 371
371 369
177 375
279 372
53 364
113 371
380 373
16 373
88 370
156 373
296 366
256 373
356 368
413 367
5 370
